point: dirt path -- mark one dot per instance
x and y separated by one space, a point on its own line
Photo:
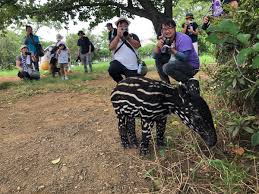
81 130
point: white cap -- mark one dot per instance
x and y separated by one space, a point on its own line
61 42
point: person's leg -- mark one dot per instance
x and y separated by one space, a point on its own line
36 64
159 68
129 73
90 62
24 75
180 71
83 60
87 61
65 71
62 71
116 70
183 72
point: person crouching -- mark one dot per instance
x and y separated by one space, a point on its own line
24 63
63 59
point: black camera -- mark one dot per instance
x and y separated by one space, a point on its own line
166 45
27 53
125 32
167 42
78 59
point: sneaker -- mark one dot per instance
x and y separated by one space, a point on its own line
62 78
66 78
193 87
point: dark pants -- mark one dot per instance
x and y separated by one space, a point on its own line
116 70
180 71
36 63
24 75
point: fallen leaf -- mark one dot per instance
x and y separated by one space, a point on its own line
55 161
239 151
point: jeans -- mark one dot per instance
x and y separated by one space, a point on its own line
179 70
116 70
86 60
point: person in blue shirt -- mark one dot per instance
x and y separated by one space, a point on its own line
31 40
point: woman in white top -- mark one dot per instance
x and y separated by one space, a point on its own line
63 59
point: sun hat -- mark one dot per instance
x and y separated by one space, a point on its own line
80 32
122 19
23 46
59 37
189 15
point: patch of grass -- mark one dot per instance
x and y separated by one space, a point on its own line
8 73
6 85
230 177
207 59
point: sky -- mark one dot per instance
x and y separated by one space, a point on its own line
140 26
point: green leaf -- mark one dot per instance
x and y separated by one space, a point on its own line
213 38
228 26
255 139
234 83
149 173
235 132
257 36
255 63
162 153
249 129
244 38
256 47
243 54
231 129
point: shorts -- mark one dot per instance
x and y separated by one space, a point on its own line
63 66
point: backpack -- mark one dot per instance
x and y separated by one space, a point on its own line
92 47
217 9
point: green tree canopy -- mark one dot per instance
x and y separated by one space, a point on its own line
93 11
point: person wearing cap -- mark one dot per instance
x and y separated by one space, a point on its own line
84 50
112 31
190 28
124 47
175 57
31 40
24 63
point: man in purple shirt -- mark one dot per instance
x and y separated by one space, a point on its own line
175 57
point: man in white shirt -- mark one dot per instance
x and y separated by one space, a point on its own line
124 47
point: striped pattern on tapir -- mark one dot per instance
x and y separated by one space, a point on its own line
153 101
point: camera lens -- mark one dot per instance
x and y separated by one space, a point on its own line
125 33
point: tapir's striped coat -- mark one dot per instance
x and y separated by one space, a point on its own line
152 101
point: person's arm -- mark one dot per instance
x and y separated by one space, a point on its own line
114 42
195 29
90 47
18 64
181 56
159 45
78 51
184 28
134 41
